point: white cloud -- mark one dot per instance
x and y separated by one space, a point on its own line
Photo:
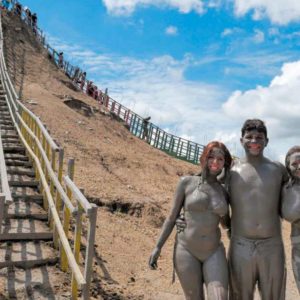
259 36
127 7
258 64
226 32
171 30
278 104
278 11
214 3
274 31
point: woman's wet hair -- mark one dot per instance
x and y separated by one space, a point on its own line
288 156
254 124
206 152
287 164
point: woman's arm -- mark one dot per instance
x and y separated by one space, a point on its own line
169 222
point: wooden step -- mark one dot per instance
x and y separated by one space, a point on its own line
43 283
11 141
8 144
18 163
41 217
9 134
44 236
5 117
16 156
20 171
25 229
27 254
23 207
13 148
7 127
38 198
6 122
23 183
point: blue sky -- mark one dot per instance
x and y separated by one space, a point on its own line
199 68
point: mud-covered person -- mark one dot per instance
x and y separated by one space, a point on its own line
256 253
291 206
199 255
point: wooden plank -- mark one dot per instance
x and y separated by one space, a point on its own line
20 171
18 163
40 217
29 264
19 236
35 198
24 183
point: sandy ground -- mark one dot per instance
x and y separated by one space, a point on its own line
132 182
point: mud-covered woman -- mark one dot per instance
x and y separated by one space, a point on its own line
291 206
199 255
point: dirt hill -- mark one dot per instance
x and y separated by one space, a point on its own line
132 182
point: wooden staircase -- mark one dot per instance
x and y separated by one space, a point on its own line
25 239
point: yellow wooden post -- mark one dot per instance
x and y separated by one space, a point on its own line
36 149
45 202
39 138
53 165
58 196
38 154
67 215
76 251
77 241
27 134
47 150
30 122
24 130
44 147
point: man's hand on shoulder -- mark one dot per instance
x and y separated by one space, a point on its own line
180 223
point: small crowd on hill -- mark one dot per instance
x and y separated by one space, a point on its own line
17 8
77 76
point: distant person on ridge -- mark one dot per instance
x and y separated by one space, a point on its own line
61 60
76 74
82 80
18 9
145 130
28 15
34 23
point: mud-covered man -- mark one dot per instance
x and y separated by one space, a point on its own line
256 253
291 206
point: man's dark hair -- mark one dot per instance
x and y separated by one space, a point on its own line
254 124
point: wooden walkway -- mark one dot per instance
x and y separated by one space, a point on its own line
27 256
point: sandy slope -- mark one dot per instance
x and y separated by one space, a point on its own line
115 169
